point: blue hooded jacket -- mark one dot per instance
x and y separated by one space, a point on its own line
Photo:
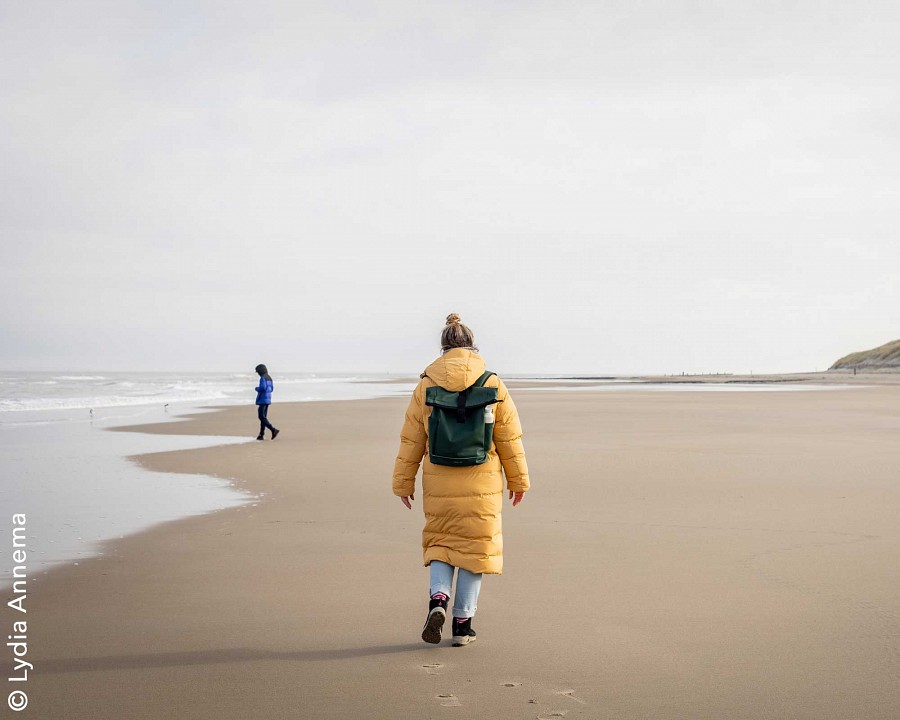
265 387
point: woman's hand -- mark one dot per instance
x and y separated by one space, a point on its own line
405 500
516 497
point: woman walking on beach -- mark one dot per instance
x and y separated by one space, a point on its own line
465 420
263 400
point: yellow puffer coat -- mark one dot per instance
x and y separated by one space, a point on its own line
462 504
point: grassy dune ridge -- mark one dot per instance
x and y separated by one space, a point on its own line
884 356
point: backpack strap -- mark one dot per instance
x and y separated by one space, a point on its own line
483 379
461 406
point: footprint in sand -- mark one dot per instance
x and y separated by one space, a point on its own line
511 684
448 700
571 695
553 714
432 668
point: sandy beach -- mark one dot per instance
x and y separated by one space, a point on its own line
681 555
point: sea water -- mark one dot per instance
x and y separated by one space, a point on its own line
71 478
53 391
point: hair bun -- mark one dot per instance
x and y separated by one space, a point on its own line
453 319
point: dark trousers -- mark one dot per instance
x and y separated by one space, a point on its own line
263 412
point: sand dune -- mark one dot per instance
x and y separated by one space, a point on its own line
884 357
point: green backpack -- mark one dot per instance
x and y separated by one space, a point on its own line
461 426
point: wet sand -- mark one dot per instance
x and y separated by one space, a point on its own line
681 555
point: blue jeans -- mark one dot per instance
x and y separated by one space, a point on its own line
467 586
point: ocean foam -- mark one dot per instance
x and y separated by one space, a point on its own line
79 377
46 391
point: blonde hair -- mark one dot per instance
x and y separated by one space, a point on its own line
456 335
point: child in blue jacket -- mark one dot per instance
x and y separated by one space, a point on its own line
263 400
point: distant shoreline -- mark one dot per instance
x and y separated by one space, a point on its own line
829 377
843 377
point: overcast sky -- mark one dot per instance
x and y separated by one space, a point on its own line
594 186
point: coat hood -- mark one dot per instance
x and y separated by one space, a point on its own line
456 369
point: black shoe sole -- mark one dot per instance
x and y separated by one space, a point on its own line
431 633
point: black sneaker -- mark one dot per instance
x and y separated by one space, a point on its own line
260 437
437 613
275 432
463 633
